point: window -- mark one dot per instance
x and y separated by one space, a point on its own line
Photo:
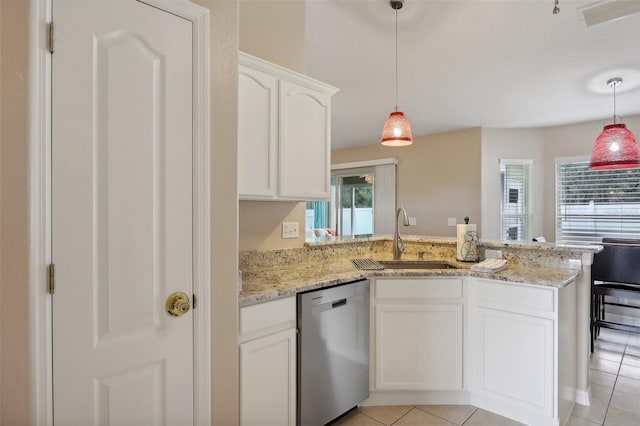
515 205
591 205
363 200
350 211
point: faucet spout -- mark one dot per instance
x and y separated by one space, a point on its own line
398 244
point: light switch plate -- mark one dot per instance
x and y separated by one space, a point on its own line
412 221
451 221
289 230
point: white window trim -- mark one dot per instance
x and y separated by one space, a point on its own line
523 161
367 163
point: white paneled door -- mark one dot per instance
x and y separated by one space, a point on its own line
121 214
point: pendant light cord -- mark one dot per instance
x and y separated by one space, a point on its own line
614 103
614 82
396 60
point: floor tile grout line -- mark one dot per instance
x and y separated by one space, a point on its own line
447 420
408 411
624 350
373 418
474 411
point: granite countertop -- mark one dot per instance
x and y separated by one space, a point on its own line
274 282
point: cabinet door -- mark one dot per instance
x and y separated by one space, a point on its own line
268 380
304 143
516 358
257 134
418 347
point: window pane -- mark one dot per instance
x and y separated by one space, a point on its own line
591 205
515 214
513 195
356 204
350 211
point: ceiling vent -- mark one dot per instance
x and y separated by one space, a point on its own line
609 10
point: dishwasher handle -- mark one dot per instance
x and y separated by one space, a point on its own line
338 303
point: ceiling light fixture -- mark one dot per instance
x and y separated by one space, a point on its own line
616 147
397 129
556 8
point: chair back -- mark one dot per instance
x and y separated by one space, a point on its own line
618 262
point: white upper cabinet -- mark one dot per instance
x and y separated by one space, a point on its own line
284 133
305 142
257 133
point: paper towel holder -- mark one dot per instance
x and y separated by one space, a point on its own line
467 243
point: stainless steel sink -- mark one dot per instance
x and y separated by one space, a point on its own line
416 264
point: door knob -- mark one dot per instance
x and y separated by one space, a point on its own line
177 304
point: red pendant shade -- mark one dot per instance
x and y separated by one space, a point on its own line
397 130
615 148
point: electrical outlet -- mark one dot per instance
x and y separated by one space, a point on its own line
451 221
289 230
412 221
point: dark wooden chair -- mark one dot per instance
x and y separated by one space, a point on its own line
615 273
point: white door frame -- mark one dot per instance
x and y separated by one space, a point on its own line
40 327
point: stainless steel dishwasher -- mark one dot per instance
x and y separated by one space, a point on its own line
333 351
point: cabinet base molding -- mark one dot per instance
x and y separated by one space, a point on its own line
514 411
583 397
418 398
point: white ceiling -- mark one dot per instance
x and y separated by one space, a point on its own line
469 63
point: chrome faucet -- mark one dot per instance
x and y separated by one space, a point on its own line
398 244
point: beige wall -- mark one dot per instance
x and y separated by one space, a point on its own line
438 177
15 339
224 225
511 144
272 30
571 141
262 224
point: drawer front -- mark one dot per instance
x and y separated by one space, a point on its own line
267 315
423 288
516 296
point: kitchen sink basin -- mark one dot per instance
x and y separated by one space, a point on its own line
416 264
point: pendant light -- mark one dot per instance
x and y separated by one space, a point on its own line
616 147
397 130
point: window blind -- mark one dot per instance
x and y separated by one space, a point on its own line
591 205
515 208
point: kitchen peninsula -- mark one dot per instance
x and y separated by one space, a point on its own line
514 342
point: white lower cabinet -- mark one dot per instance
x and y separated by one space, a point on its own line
502 346
268 363
523 359
506 347
418 334
515 356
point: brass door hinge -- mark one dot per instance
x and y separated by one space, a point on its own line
52 37
52 278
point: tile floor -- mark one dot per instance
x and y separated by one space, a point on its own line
615 391
418 415
614 378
